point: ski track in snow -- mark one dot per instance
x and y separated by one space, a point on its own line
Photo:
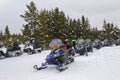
102 64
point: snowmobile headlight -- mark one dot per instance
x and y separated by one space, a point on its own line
56 55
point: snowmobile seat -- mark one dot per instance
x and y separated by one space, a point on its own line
13 48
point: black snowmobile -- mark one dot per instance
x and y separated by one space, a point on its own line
89 45
97 44
14 50
107 42
10 51
117 42
58 56
81 48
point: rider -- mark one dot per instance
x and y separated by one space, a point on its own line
67 44
73 42
16 45
68 47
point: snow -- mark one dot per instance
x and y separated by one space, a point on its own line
102 64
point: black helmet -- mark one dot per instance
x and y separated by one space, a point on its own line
67 40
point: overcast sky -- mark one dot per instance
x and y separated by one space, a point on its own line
95 10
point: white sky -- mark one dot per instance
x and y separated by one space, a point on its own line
96 11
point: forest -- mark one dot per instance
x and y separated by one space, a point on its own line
44 25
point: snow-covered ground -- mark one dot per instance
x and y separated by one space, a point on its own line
102 64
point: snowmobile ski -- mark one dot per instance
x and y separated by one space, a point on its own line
63 69
39 68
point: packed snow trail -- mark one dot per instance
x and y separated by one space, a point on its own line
102 64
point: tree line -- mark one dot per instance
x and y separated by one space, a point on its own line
45 25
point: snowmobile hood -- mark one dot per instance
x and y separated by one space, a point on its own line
55 54
80 41
3 49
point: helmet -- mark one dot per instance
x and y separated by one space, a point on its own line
67 40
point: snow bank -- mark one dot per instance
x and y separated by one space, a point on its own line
102 64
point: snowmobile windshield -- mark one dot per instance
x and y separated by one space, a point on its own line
80 41
97 40
55 43
0 45
118 40
88 40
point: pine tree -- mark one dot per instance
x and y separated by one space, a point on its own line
58 20
108 30
74 29
31 19
70 29
7 36
78 28
116 32
1 36
42 32
26 33
85 27
94 33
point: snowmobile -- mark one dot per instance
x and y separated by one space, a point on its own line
117 42
107 42
37 47
13 51
3 51
28 48
81 48
32 48
58 57
89 45
10 51
97 44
